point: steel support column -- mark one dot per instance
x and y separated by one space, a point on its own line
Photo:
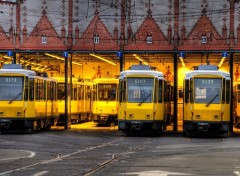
66 117
121 62
231 102
175 112
14 61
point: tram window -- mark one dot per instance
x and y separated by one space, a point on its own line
49 92
224 91
160 90
31 89
191 90
79 93
120 91
166 90
180 93
11 88
228 85
155 90
26 92
207 90
200 93
44 90
140 89
54 91
74 92
186 91
238 97
38 89
123 90
88 92
94 93
61 91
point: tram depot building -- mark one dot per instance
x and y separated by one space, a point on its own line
92 39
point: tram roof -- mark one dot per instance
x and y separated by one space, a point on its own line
18 71
207 72
105 80
141 72
62 79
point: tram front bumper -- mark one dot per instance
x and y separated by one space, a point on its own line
206 126
139 125
5 124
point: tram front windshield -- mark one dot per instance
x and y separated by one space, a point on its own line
11 88
207 90
140 90
107 92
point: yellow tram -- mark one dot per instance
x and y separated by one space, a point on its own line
206 101
28 101
79 105
105 100
143 100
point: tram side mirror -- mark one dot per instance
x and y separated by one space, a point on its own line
180 94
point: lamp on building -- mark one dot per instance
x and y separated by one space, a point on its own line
60 58
224 56
140 59
181 56
103 59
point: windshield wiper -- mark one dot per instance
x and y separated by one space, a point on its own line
212 100
15 98
144 99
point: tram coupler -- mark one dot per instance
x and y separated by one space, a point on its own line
136 126
5 124
104 118
203 127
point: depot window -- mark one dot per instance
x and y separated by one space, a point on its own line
204 39
96 38
149 38
44 39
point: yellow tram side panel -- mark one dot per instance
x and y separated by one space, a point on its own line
14 110
144 112
199 112
105 108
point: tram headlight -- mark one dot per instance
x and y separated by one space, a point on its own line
18 113
1 113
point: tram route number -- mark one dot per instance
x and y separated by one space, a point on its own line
140 81
10 80
207 81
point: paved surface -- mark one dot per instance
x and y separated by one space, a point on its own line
90 150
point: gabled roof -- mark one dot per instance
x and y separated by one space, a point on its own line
44 28
5 43
149 27
106 41
203 27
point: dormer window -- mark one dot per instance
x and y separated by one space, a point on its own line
149 38
44 39
96 38
203 39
